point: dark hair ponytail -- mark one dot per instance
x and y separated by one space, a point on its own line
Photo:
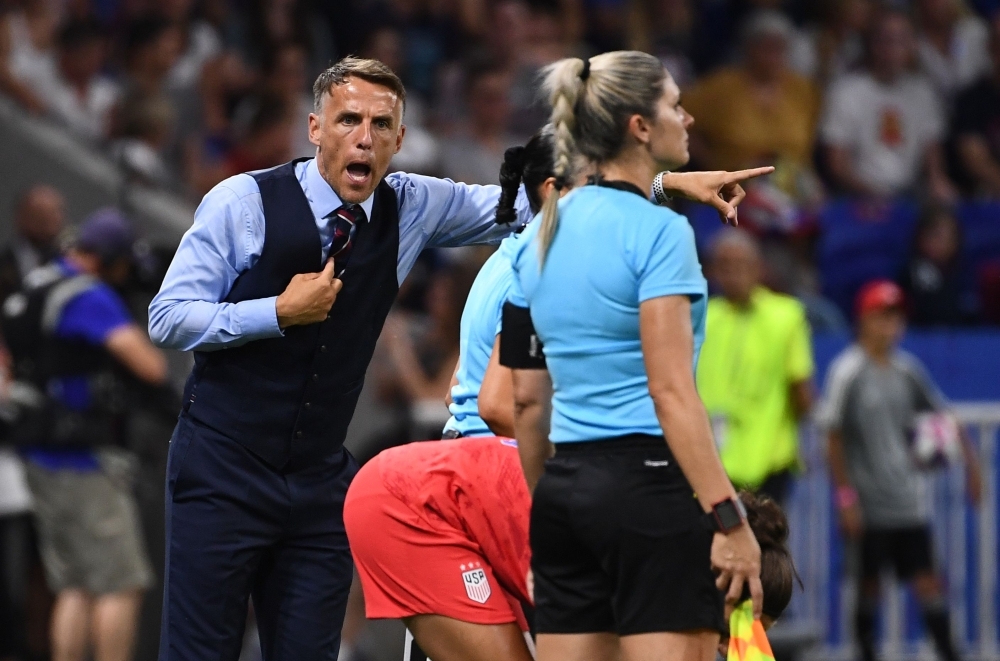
510 180
531 165
777 571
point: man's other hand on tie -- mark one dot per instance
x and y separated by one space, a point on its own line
308 297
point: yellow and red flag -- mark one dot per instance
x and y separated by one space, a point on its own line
747 640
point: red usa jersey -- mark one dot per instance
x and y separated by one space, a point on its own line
476 485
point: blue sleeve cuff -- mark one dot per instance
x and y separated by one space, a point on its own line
690 288
259 318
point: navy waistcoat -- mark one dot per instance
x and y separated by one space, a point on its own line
290 399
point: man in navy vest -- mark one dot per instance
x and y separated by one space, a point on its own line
281 288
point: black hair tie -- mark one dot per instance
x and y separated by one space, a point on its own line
585 74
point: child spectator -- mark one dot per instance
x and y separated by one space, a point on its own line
874 392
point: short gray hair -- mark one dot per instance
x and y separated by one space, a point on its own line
734 237
371 70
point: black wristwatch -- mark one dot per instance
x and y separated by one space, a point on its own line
727 515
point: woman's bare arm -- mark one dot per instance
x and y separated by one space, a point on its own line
532 415
496 395
668 350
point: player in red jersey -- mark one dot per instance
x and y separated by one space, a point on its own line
439 532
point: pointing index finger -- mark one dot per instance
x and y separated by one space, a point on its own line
743 175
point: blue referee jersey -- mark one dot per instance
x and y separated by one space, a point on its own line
480 326
613 250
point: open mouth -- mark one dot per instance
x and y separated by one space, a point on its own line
358 172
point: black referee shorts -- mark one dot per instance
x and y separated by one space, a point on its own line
907 550
619 543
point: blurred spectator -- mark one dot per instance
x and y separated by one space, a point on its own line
77 95
15 551
665 28
265 141
145 126
285 79
89 532
550 35
933 279
27 51
200 42
38 219
420 353
152 46
420 151
975 142
607 24
268 24
474 155
874 393
883 126
758 112
755 370
836 45
951 45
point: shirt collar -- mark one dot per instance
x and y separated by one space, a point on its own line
323 200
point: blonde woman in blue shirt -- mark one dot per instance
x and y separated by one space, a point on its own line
636 531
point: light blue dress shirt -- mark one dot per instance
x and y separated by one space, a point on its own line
227 238
479 329
612 251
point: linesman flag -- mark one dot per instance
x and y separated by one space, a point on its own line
747 640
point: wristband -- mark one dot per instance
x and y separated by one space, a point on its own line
659 194
846 497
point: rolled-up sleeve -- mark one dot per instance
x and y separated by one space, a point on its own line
441 213
188 313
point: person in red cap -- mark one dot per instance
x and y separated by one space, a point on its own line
875 394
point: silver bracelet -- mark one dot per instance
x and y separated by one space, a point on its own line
659 194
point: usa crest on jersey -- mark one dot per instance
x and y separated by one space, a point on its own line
476 585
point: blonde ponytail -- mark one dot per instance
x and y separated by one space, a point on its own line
591 104
563 85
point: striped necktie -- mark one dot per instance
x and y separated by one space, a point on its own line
344 218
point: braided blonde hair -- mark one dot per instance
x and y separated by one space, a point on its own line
590 114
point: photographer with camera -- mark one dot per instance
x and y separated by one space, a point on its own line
74 342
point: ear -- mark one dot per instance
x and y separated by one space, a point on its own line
547 187
314 128
640 129
399 138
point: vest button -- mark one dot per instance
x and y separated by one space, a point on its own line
298 434
315 377
322 349
307 405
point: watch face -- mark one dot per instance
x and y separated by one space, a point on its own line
728 515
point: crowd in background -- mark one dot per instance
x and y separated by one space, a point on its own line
847 98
